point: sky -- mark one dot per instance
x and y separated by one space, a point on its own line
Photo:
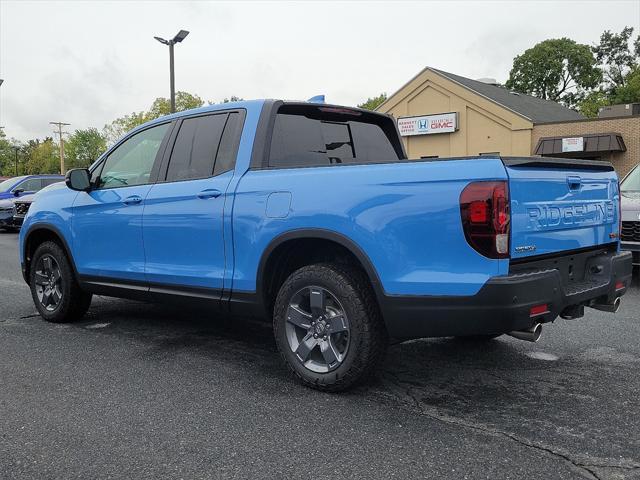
89 62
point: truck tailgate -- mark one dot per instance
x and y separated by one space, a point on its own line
559 205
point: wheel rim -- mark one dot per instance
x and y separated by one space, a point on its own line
48 282
317 329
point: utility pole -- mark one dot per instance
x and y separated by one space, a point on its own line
60 132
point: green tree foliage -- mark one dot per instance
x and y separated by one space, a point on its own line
616 57
83 147
557 69
40 156
161 106
373 103
620 64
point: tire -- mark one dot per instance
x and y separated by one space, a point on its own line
51 277
346 321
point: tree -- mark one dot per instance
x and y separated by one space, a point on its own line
630 91
373 103
560 70
40 157
616 58
160 106
184 101
83 147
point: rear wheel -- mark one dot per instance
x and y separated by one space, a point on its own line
55 291
328 327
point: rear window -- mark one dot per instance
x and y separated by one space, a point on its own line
320 136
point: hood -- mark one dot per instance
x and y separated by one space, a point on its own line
630 206
26 198
6 205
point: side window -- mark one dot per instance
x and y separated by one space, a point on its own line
50 181
131 163
30 185
194 152
228 150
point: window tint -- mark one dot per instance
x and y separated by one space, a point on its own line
9 183
195 148
50 181
228 150
131 163
299 140
30 185
632 182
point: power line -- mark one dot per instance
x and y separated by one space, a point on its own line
60 133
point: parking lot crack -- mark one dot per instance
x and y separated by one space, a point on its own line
586 469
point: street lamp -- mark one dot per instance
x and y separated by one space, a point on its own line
180 36
16 149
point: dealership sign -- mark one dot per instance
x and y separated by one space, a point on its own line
428 124
575 144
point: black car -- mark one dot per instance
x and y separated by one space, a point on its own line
20 208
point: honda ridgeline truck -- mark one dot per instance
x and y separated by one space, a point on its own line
311 215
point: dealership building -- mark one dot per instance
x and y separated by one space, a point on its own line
440 114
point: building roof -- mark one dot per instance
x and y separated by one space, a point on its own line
533 108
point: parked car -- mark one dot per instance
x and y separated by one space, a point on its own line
27 184
20 208
6 215
311 215
630 235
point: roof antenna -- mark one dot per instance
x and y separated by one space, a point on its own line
316 99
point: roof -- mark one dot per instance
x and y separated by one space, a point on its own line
533 108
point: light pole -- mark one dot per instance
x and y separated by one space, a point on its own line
180 36
16 149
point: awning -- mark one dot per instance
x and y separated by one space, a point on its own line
591 145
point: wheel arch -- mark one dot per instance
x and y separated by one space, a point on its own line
326 237
37 235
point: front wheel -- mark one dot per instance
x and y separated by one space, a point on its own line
328 327
55 291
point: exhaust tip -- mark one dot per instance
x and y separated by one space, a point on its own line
616 305
532 334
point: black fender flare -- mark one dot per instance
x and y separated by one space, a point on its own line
323 234
63 242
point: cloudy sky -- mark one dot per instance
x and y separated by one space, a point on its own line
88 62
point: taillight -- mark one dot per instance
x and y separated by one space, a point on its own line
484 207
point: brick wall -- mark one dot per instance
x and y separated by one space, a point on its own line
628 127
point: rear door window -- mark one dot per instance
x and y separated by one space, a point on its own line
196 146
310 137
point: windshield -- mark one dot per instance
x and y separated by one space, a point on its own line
632 182
7 184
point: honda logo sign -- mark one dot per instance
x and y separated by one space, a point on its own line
428 124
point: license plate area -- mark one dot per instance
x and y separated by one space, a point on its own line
579 269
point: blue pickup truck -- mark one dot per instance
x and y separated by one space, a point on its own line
310 215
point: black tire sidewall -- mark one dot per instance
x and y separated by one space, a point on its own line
342 287
64 308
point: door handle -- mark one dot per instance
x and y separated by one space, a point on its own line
132 200
209 193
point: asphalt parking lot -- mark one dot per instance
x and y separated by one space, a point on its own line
144 391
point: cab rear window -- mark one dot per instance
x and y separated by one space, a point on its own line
321 136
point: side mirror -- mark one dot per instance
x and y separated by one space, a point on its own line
18 191
78 179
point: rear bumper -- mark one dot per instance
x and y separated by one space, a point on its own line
503 304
